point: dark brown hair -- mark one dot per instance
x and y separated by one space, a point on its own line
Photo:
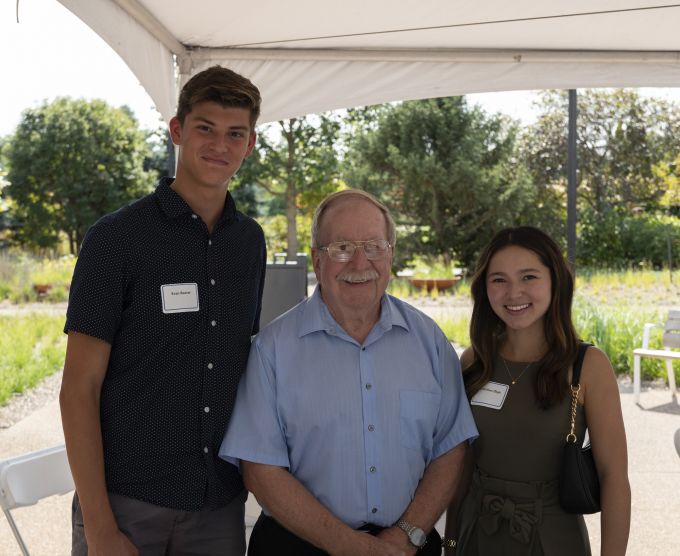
486 328
223 86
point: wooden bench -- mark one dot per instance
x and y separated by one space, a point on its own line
671 339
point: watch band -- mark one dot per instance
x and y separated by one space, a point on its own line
416 536
405 526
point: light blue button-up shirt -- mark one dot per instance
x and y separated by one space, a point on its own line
356 424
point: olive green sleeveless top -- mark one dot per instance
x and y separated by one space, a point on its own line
521 441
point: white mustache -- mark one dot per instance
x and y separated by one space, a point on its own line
357 276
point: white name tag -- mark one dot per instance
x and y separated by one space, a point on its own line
179 298
492 395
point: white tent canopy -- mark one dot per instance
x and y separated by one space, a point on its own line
315 55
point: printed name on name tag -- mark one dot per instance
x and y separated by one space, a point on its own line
179 298
492 395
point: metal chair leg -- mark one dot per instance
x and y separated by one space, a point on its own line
15 530
671 378
636 379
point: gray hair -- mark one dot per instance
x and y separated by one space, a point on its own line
346 194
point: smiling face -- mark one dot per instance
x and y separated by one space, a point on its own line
353 289
213 143
519 288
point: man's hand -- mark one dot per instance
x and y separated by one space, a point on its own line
368 545
110 543
399 539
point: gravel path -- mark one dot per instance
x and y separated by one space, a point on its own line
22 405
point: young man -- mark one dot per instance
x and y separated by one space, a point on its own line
164 299
352 416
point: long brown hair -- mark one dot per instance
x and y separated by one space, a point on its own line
486 328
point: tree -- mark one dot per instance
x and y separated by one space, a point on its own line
295 162
446 171
161 156
621 138
70 162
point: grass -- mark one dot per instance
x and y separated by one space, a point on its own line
32 347
20 272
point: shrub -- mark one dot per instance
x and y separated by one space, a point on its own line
618 239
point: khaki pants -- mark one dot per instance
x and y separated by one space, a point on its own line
158 531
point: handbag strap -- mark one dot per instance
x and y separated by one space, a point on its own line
578 363
576 387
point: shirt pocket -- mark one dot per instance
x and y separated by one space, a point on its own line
418 419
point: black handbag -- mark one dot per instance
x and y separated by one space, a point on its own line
579 484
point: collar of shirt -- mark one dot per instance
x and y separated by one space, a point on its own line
174 206
317 318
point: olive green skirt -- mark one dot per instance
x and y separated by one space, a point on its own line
507 518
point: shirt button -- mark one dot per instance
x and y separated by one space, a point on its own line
372 469
205 450
194 216
374 511
213 322
206 409
212 282
210 242
371 428
369 386
363 349
210 365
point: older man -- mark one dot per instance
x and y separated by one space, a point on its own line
351 421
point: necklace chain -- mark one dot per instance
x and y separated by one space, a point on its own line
512 378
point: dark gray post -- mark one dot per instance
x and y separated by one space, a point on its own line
670 254
572 164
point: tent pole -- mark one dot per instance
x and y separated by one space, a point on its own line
572 164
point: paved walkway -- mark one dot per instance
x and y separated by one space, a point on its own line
654 475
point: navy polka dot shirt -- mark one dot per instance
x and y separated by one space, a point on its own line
178 306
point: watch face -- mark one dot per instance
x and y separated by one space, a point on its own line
418 537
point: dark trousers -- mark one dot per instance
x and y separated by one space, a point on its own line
269 538
155 530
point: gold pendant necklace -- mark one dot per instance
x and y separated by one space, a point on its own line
513 379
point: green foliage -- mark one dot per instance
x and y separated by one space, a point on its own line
668 172
431 267
622 137
617 239
294 166
456 328
19 273
275 232
617 331
31 347
443 168
70 162
160 157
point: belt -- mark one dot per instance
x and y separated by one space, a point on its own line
521 505
370 528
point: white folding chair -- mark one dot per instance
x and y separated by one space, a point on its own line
26 479
671 340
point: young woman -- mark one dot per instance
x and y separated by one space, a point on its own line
517 375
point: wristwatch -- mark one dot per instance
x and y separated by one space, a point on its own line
415 534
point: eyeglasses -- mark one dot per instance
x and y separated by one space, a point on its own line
343 251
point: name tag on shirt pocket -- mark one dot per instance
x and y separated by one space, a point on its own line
179 298
492 395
